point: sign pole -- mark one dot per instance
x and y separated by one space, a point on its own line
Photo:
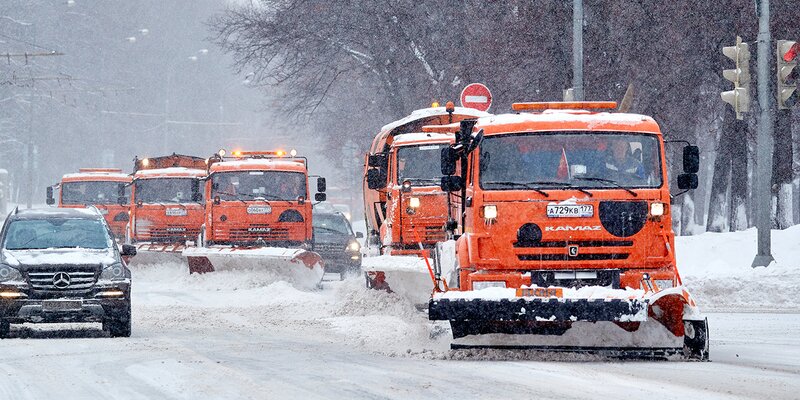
577 50
764 143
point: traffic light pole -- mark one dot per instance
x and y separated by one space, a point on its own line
764 142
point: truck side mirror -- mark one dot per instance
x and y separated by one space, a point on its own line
50 198
452 183
687 181
320 197
691 159
196 195
321 185
121 198
376 179
448 161
377 160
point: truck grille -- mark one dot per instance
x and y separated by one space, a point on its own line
253 233
167 233
79 279
427 233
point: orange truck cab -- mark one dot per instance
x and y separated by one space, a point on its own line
166 200
376 174
99 187
259 199
417 209
564 216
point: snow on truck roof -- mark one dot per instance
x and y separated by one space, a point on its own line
431 112
296 165
416 138
97 176
563 120
171 172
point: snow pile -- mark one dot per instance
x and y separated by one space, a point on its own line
715 267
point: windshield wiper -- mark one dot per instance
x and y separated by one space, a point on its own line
604 180
530 185
527 185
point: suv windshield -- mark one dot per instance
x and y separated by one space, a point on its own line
89 192
266 185
329 223
164 190
56 233
419 164
575 159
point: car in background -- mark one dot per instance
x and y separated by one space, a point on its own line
335 241
63 265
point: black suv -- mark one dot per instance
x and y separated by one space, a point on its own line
62 265
335 242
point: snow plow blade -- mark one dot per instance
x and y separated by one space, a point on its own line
293 265
158 253
551 310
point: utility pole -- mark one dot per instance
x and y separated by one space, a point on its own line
764 142
577 50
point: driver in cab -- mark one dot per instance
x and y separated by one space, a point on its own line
621 163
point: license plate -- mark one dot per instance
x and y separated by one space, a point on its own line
571 210
175 212
61 305
259 209
541 292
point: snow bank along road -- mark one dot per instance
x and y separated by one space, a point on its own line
234 335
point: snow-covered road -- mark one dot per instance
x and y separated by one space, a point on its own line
241 336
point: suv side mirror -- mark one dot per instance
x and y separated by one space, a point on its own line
691 159
50 198
359 235
377 160
320 197
687 181
321 185
376 179
448 161
452 183
128 250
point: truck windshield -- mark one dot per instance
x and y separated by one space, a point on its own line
258 185
572 159
89 192
163 190
324 223
419 164
56 233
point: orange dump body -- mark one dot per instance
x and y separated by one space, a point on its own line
375 200
417 210
97 187
166 199
525 240
257 201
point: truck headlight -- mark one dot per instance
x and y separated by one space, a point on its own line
114 272
479 285
413 202
8 274
490 212
656 209
353 246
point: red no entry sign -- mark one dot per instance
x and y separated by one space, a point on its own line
477 96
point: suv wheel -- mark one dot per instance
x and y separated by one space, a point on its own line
5 329
119 325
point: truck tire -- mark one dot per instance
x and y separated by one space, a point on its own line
5 329
119 325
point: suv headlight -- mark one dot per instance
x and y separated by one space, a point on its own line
353 246
114 272
9 274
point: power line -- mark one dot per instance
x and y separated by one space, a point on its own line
26 42
27 55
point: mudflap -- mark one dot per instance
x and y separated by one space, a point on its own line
200 265
696 340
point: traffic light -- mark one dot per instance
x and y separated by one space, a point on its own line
787 73
739 97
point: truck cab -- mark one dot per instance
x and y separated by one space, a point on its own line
416 210
259 199
99 187
166 199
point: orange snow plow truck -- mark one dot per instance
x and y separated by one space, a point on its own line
166 205
99 187
257 215
564 236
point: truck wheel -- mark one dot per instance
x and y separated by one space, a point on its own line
120 325
5 329
695 340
